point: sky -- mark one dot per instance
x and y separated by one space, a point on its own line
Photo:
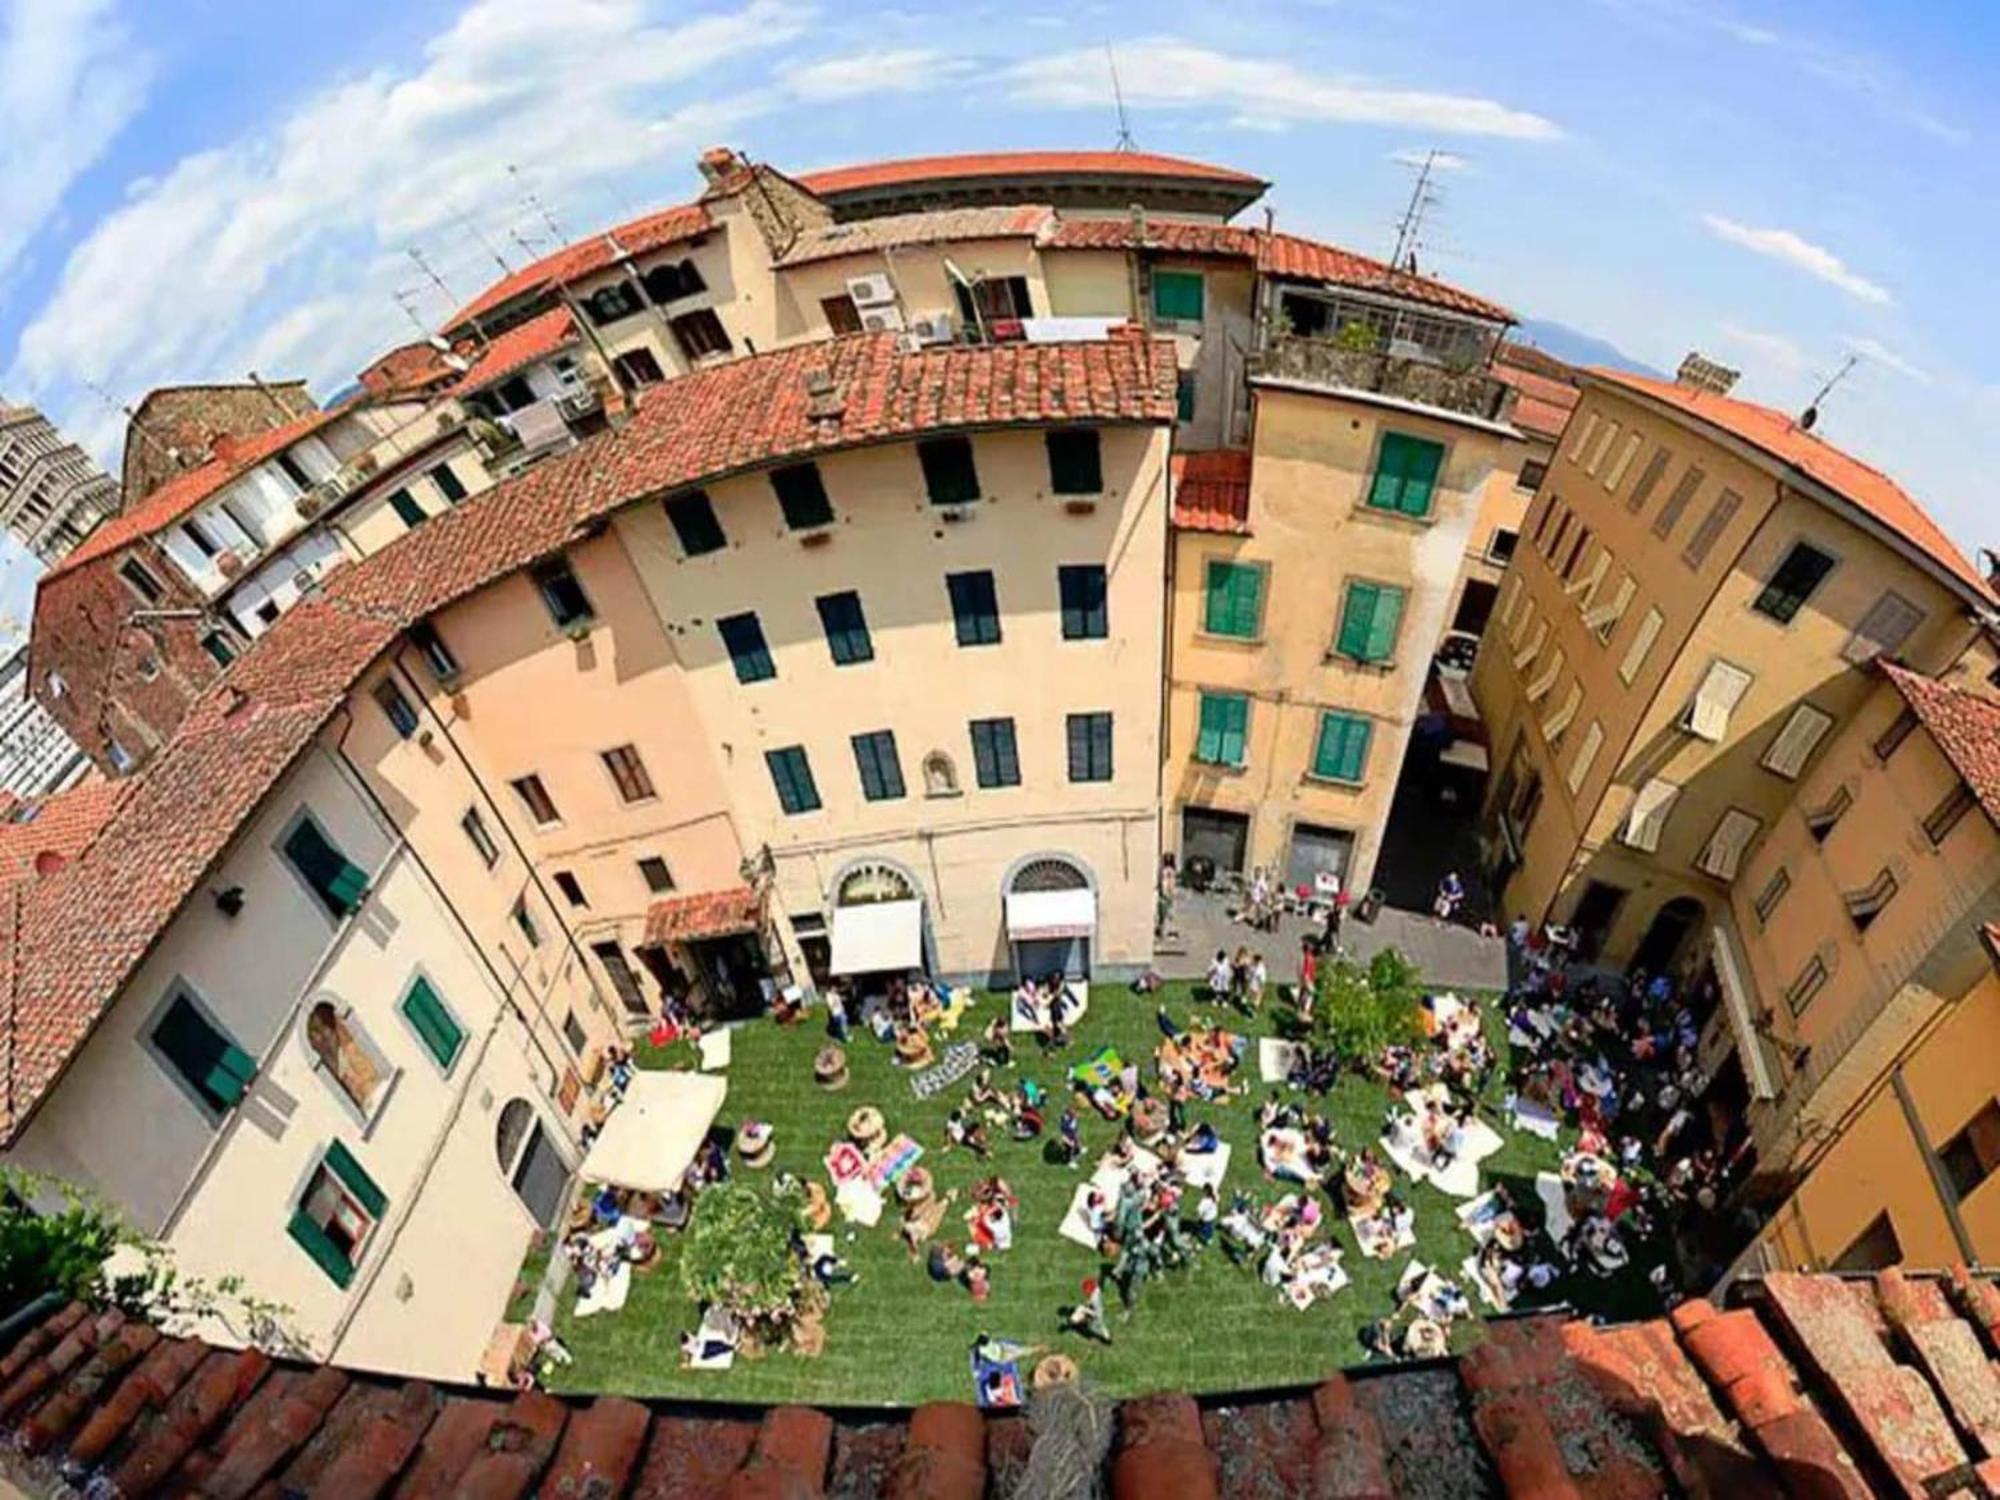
194 189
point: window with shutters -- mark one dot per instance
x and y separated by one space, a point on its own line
1711 528
536 799
1602 620
700 334
1089 744
628 774
1723 853
1678 501
1576 548
743 639
1821 820
1532 646
1973 1155
1406 473
1223 735
1648 481
1341 752
530 1162
449 485
1545 679
1177 296
1795 742
637 367
843 318
1865 905
338 884
1716 697
562 595
438 660
1370 616
1889 622
437 1028
1082 590
1810 981
693 518
525 923
347 1057
1772 893
975 608
1584 431
200 1055
1583 588
881 771
1946 815
624 981
1641 646
396 708
407 510
1558 537
802 496
1557 723
1586 756
572 889
1647 819
336 1216
1615 475
1605 439
1076 465
846 627
473 825
791 775
1233 599
1794 581
1891 739
141 581
949 475
995 759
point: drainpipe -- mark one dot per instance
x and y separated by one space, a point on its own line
1947 1193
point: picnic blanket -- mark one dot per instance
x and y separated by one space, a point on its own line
1206 1168
1460 1177
1555 1205
844 1162
1536 1119
607 1293
1422 1288
1108 1178
996 1383
1276 1058
1318 1273
859 1202
1024 1015
956 1003
715 1340
1282 1152
959 1059
714 1048
1098 1071
892 1162
1378 1237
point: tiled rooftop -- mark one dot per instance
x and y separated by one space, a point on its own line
935 227
1212 491
1965 726
1779 436
174 424
1545 396
519 346
1310 260
976 164
1816 1387
667 226
705 914
85 929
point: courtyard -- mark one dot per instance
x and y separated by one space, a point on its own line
893 1337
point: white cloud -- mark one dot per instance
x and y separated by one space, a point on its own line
1799 253
242 253
1877 352
1440 161
70 79
1774 349
893 70
1167 73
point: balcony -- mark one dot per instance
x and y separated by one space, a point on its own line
1332 364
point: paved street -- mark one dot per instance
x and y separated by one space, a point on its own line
1452 957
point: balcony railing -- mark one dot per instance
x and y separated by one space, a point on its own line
1331 364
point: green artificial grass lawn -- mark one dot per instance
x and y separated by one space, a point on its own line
896 1338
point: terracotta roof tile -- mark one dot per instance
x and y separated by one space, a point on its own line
1545 400
1309 260
1170 236
1780 437
58 827
704 914
521 345
1212 491
409 369
917 169
586 257
1965 726
934 227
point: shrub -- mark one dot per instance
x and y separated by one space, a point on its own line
1360 1011
739 1252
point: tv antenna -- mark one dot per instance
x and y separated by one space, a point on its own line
1809 418
445 292
1125 141
529 197
1423 197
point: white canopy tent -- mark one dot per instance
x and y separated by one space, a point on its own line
878 936
650 1140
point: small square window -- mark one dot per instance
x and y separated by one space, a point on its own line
802 496
572 889
563 596
1075 463
653 870
693 519
535 797
1177 296
949 475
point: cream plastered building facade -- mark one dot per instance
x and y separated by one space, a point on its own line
1685 621
1301 647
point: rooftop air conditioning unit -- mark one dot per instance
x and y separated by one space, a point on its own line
936 329
882 319
872 290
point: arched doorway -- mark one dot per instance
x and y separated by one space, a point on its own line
1051 906
530 1162
878 924
1664 939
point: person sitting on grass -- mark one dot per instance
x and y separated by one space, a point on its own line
913 1048
945 1263
984 1099
999 1043
1087 1316
1027 1110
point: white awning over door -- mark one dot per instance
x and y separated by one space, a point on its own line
878 936
1035 915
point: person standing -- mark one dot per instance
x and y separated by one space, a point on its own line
1087 1316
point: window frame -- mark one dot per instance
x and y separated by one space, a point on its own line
960 584
181 990
797 776
800 490
131 570
1349 722
1891 739
1076 460
990 756
421 979
1806 985
696 527
361 1190
409 510
1091 618
751 661
1259 571
396 707
321 902
1770 895
879 765
1949 812
1183 279
700 334
1770 583
949 465
437 657
1237 706
624 764
520 784
1408 446
1868 903
549 577
1084 768
848 640
472 823
1387 660
666 882
571 888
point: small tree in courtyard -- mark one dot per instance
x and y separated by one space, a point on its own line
1359 1011
739 1256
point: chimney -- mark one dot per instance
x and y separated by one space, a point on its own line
1700 373
717 164
824 402
1140 233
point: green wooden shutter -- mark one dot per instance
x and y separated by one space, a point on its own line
1342 754
404 504
434 1025
1387 490
229 1077
326 1255
1234 594
1235 723
1357 617
1420 471
1208 747
1388 615
1177 295
340 1161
